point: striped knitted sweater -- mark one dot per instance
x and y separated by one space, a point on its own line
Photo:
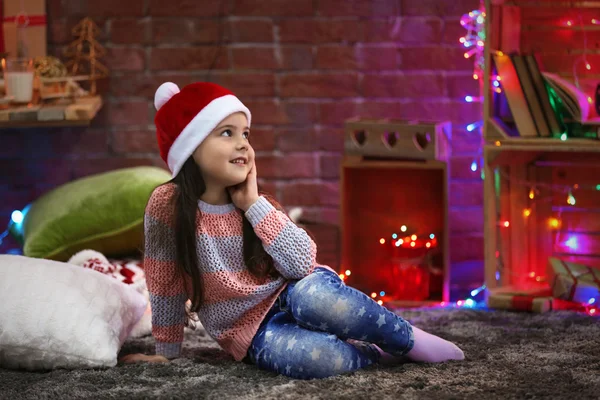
235 301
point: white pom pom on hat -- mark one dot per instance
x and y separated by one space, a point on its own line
185 117
164 93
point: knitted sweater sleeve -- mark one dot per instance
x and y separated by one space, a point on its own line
292 249
165 285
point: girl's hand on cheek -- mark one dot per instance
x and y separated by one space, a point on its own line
246 193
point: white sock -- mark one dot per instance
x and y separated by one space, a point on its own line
431 348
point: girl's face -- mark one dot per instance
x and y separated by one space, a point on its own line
225 155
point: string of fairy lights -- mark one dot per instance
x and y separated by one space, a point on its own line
404 238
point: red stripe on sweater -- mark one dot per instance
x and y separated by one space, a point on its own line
270 226
168 334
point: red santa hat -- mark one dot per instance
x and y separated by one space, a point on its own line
185 117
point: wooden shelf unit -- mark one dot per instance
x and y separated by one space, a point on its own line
47 115
528 241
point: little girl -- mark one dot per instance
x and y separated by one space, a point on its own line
251 274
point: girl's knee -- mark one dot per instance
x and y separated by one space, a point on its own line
313 283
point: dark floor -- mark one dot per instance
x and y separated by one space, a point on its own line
508 356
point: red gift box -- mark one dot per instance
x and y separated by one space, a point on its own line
573 282
533 300
31 20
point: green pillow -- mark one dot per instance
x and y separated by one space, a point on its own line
103 212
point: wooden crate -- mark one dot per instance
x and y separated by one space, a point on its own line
513 165
521 26
384 138
377 198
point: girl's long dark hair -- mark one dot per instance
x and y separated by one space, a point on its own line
190 186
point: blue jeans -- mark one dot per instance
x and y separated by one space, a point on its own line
319 327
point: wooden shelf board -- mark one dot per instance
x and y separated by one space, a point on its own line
548 145
44 124
352 161
553 4
496 156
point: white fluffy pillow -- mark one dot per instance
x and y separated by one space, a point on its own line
57 315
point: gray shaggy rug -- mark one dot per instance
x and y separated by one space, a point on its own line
508 356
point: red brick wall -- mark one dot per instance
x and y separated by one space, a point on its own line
301 66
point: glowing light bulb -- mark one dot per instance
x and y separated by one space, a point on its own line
17 216
380 302
590 100
431 236
594 21
382 293
469 302
474 166
588 66
597 187
554 223
469 99
563 137
394 236
342 276
412 244
428 245
459 303
532 274
506 224
399 242
382 241
527 212
591 301
531 194
462 39
569 23
403 228
413 237
497 143
348 272
475 292
571 199
373 295
475 76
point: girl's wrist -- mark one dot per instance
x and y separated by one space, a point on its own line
251 203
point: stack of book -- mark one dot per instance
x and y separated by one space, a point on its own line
533 103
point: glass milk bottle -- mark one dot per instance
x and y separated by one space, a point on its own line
18 79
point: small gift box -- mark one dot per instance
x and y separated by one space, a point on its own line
23 25
534 300
573 282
